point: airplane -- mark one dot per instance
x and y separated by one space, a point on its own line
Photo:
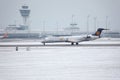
74 39
4 36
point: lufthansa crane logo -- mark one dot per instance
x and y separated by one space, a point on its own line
97 33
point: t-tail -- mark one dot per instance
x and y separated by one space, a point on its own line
99 31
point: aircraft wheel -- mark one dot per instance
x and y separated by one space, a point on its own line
77 43
72 43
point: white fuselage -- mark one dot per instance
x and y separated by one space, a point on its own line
74 39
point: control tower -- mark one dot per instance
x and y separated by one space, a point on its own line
25 11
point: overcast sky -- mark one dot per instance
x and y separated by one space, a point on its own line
53 13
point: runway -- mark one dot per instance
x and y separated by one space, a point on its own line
17 45
57 45
37 43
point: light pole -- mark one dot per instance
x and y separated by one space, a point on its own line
106 23
88 24
43 27
95 23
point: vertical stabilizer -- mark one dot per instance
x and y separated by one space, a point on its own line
99 31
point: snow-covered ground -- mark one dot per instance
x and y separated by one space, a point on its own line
61 63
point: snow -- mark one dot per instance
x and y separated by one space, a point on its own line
60 63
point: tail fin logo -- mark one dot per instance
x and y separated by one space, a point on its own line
97 33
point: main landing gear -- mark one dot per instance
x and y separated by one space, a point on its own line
72 43
44 43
